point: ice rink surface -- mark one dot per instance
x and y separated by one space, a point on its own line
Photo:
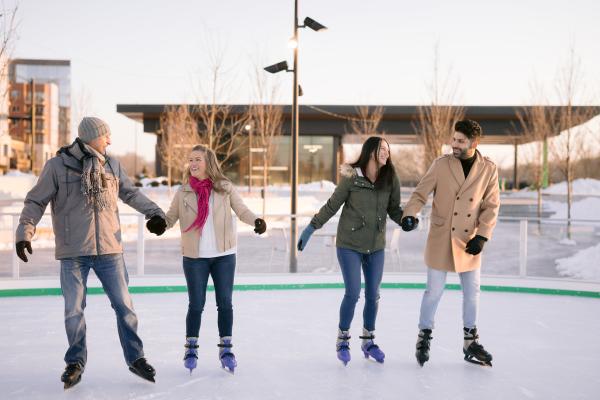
544 347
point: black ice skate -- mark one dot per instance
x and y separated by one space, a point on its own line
473 350
423 344
71 376
141 368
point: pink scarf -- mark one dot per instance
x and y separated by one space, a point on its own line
202 188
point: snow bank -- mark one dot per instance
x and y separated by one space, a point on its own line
583 186
15 185
588 208
583 265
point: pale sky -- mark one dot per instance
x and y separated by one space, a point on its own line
374 52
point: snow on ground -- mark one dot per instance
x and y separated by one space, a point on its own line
583 265
581 187
587 208
284 342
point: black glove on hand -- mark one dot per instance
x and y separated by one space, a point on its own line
475 245
409 223
21 246
260 226
157 225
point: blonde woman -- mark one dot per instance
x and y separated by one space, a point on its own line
208 240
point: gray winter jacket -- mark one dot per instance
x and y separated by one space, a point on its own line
80 229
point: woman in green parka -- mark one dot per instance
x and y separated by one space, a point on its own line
369 190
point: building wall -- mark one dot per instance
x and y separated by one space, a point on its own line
46 133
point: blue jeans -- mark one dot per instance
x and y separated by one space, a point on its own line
110 270
197 270
436 282
372 265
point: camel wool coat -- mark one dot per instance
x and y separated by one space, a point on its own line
462 208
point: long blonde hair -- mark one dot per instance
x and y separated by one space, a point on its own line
213 168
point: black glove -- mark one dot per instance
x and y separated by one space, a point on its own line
475 245
409 223
157 225
260 226
21 246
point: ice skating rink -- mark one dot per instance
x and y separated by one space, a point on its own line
544 347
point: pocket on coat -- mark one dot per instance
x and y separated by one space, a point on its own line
437 220
67 238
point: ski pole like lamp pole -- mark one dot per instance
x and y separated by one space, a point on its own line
283 66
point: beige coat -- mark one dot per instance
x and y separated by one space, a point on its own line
184 208
461 209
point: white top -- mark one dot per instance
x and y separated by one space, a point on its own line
208 242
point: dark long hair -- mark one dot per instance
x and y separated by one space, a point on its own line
386 173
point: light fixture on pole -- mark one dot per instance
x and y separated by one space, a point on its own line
283 66
248 128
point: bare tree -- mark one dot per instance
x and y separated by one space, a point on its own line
537 124
266 120
8 36
435 122
367 123
221 125
568 145
178 134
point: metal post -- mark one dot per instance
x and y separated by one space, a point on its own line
33 126
250 160
294 134
516 168
545 173
523 248
15 258
140 246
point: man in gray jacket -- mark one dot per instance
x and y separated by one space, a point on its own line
82 185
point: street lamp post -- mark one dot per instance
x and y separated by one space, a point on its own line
283 66
248 129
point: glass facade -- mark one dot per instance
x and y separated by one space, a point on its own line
316 161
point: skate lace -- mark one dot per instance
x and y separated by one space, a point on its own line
71 368
425 342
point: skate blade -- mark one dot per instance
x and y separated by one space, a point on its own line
146 378
480 363
69 385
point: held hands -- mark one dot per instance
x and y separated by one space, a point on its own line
21 246
409 223
157 225
306 234
260 226
475 245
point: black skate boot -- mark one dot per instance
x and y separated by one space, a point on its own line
141 368
473 350
423 344
72 375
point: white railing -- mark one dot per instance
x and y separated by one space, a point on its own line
140 243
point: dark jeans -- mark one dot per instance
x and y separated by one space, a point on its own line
110 270
197 270
372 266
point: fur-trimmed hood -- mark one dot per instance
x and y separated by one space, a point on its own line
348 171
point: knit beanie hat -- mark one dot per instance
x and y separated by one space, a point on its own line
91 128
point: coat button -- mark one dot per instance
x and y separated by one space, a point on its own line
466 230
468 215
455 213
470 199
458 198
452 228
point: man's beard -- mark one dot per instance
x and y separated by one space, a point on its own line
462 154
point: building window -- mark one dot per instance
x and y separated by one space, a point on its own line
39 124
15 94
15 108
5 150
39 138
39 97
39 109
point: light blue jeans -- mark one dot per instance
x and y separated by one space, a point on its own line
110 270
436 281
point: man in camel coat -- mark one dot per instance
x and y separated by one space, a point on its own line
465 207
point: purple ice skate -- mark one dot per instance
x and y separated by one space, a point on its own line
370 349
227 358
190 359
342 347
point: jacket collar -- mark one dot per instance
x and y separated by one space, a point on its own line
459 175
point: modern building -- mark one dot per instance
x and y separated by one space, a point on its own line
325 131
5 141
41 102
48 71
